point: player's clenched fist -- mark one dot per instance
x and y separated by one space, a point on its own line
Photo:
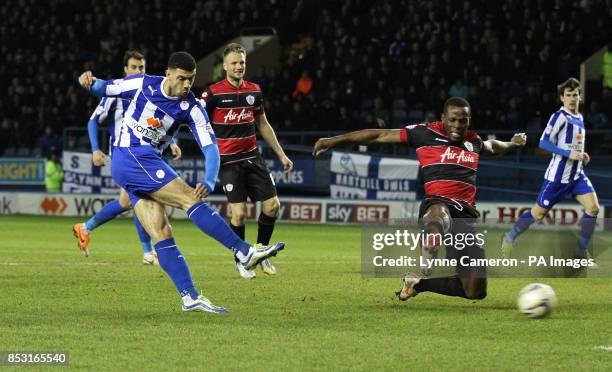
87 79
98 158
519 139
580 155
585 158
287 163
176 151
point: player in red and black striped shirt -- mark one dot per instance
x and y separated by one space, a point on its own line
448 153
235 107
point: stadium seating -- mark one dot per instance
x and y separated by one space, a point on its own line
382 48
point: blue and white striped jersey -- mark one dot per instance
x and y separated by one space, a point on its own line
112 110
567 132
153 118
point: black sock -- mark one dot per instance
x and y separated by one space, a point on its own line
449 286
239 230
265 228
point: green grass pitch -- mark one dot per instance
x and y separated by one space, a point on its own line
112 313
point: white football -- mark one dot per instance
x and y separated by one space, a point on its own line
536 300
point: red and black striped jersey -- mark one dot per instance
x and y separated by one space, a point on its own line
448 168
232 112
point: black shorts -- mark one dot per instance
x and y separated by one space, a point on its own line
463 218
456 208
250 178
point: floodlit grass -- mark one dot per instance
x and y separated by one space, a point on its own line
112 313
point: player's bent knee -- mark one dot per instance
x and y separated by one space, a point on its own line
164 233
538 214
238 219
167 231
593 211
187 203
124 200
271 209
186 199
438 219
239 214
125 204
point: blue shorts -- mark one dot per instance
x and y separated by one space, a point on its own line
140 171
553 192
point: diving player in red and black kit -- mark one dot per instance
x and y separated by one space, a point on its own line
448 153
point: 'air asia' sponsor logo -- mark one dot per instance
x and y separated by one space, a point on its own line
456 156
432 155
53 205
244 115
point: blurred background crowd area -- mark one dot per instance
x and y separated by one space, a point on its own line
345 65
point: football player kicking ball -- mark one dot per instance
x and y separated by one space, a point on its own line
564 137
448 153
111 110
158 106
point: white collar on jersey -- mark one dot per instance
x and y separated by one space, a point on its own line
161 87
577 116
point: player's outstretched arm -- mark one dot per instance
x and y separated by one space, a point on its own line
495 147
95 86
360 137
123 88
86 79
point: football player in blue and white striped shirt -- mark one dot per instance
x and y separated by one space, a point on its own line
564 137
111 111
158 106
